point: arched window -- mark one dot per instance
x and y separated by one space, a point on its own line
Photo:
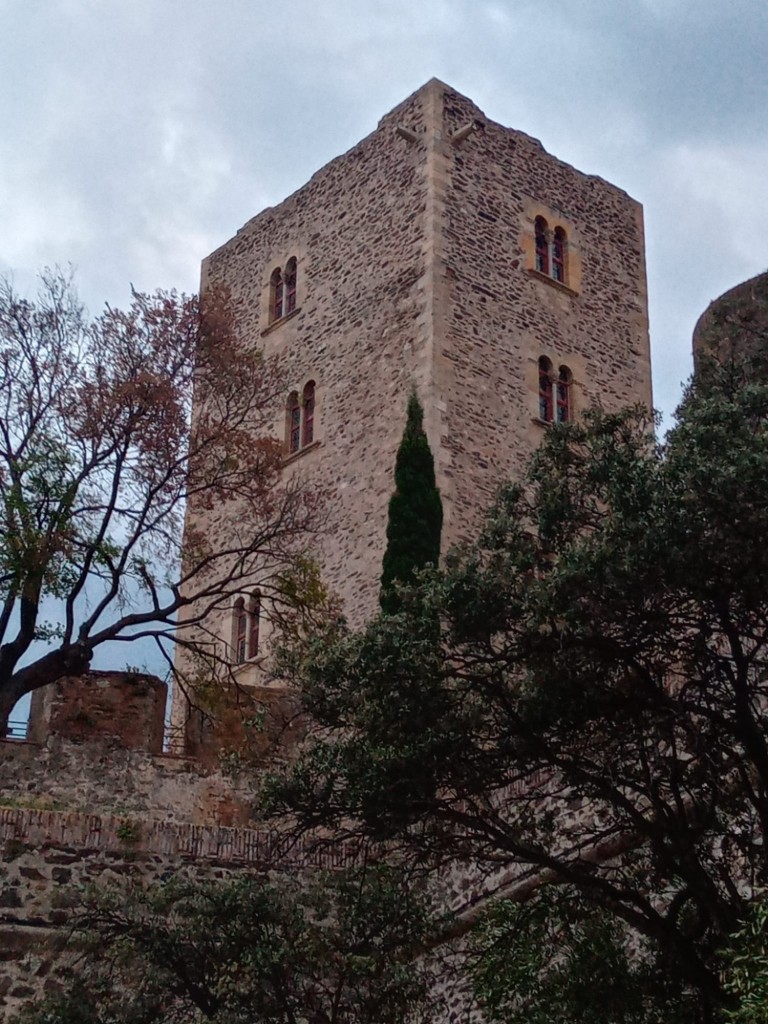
290 285
239 630
276 294
546 389
293 421
559 244
308 414
551 251
282 290
246 617
542 245
254 616
564 382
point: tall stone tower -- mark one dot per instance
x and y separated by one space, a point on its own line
449 252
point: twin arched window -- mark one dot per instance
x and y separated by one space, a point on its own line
245 627
551 251
300 418
555 393
282 290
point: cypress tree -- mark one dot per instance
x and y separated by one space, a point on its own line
415 510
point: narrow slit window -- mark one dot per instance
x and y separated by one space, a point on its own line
290 285
240 630
276 294
254 617
308 402
542 246
546 389
294 423
564 382
559 244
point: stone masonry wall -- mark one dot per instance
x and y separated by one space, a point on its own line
497 316
357 231
736 323
48 857
415 264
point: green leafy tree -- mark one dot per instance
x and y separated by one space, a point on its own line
558 959
415 511
326 949
99 459
594 712
745 966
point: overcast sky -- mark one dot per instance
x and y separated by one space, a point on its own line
136 137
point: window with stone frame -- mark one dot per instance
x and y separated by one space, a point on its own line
290 286
308 414
246 615
293 423
254 623
563 390
282 290
276 294
551 251
239 630
300 419
559 251
541 233
546 390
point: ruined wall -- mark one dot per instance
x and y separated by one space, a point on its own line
123 709
736 323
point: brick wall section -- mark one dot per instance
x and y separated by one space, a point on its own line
83 834
126 709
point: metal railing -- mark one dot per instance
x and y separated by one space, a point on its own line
173 740
17 729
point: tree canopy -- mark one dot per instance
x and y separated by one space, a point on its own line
100 456
415 517
322 948
593 713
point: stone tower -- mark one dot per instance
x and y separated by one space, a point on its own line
450 252
735 324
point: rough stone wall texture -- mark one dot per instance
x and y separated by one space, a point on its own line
49 856
415 263
735 323
497 316
101 779
123 708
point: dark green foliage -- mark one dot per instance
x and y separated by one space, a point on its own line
745 959
415 511
582 695
332 948
558 960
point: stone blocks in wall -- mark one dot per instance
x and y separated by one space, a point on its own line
256 724
122 709
736 324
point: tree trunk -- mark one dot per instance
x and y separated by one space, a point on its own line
73 660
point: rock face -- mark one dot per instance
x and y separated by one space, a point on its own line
732 326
